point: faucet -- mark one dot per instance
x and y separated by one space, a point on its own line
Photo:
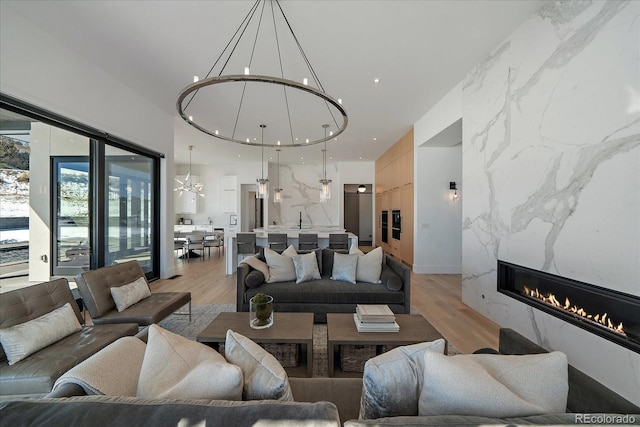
300 223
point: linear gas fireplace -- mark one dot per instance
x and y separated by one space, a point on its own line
610 314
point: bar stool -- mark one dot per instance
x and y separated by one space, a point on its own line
246 244
307 241
277 241
339 241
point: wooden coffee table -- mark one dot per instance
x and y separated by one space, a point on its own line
342 330
288 328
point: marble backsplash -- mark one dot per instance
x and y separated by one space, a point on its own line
301 193
551 171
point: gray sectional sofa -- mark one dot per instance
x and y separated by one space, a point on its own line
318 401
330 296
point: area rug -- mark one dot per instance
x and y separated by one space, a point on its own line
202 315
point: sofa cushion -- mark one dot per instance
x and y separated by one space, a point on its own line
492 385
369 265
147 311
391 382
326 291
344 267
179 368
557 419
38 372
306 267
281 268
22 340
127 295
264 377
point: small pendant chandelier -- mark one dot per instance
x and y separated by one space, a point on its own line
262 186
325 191
277 194
188 184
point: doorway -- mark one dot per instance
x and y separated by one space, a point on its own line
358 212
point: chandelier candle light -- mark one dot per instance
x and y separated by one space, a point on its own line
262 186
277 194
188 184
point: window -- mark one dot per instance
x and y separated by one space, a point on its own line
92 200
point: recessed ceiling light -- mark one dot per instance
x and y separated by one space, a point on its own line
330 158
376 80
361 158
238 155
375 139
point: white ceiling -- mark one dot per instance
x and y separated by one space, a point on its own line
418 49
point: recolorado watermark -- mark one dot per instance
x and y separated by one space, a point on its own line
605 419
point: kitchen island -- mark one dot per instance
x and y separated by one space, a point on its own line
292 239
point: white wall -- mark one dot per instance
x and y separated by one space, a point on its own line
38 69
437 247
551 172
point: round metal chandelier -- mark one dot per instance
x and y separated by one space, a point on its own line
297 103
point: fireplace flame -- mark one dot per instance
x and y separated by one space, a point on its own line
600 319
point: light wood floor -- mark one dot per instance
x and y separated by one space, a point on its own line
436 296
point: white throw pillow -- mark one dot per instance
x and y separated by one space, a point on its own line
175 367
264 376
281 268
306 267
369 265
22 340
494 385
391 382
344 267
126 295
256 264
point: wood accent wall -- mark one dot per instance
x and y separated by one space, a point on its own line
394 190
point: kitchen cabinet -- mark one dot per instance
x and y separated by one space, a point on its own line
394 191
228 199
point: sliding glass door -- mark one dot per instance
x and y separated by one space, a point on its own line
129 208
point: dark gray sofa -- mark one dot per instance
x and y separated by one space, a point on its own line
36 374
329 296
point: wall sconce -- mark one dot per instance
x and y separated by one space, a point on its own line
453 189
362 188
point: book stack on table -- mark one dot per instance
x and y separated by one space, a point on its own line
375 318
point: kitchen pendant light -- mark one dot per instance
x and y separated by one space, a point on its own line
277 194
188 184
262 186
325 191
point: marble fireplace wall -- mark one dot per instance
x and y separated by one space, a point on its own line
551 172
301 193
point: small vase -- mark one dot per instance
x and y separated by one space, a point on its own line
261 314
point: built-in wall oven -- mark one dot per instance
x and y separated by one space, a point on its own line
396 224
384 225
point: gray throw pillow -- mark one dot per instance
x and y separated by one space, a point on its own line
254 279
344 267
391 382
306 267
390 279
